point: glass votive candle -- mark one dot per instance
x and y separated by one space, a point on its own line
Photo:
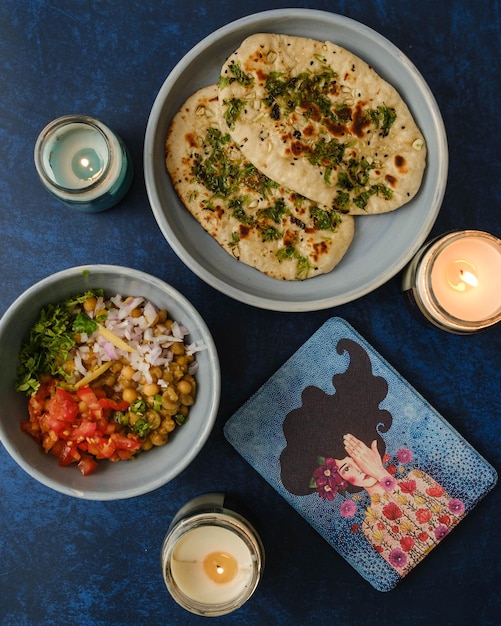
455 281
212 556
83 163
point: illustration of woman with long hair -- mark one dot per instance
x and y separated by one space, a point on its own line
335 446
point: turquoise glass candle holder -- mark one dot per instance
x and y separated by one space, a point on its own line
83 163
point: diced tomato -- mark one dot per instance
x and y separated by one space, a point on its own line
114 405
78 427
69 454
63 406
82 431
87 465
87 395
100 447
121 442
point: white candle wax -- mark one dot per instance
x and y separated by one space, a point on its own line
466 278
212 565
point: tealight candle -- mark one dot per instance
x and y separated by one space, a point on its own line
83 163
455 281
212 557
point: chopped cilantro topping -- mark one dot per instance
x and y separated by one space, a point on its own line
237 75
270 233
325 220
303 264
51 338
382 117
275 212
83 324
233 109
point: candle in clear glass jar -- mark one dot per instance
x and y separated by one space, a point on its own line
212 557
83 163
455 281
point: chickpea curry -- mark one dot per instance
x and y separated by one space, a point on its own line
107 378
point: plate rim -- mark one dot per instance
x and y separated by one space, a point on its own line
439 133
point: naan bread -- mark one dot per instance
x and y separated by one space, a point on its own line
256 220
319 120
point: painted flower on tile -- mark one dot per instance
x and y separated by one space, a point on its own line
436 491
327 480
440 532
392 512
388 483
423 515
407 543
408 486
404 455
456 506
397 558
348 509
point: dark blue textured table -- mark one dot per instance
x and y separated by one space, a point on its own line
66 561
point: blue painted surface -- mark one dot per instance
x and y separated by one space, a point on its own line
66 561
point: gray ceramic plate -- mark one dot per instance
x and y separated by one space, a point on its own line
383 244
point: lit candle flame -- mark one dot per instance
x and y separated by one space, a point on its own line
468 278
461 276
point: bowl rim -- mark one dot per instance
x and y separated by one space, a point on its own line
210 414
244 292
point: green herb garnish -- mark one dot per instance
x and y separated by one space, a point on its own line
83 324
50 340
382 117
141 427
138 406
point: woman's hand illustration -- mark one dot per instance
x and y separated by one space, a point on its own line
367 459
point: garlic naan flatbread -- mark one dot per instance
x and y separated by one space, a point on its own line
319 120
255 219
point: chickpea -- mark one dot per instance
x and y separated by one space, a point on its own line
90 304
109 380
158 439
187 400
147 445
169 406
151 390
116 367
184 387
153 418
133 417
127 372
177 348
167 376
182 361
167 425
156 372
170 394
129 394
136 313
